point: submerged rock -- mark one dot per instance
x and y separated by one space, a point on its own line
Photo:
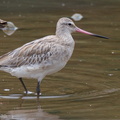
76 17
2 23
8 27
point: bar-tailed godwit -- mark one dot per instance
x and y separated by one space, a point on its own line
43 56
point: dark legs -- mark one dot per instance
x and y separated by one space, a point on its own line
23 85
38 89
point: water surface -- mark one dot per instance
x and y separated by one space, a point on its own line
88 87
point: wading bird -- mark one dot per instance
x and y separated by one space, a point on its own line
43 56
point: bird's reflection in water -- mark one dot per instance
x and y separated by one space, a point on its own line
33 114
23 113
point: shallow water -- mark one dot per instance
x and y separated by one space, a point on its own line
88 87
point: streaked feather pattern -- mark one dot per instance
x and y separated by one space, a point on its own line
36 52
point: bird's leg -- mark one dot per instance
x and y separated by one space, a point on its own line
38 88
23 85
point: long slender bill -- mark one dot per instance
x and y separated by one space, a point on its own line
89 33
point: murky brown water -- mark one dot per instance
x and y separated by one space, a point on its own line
88 87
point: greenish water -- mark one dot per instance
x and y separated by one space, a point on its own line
88 87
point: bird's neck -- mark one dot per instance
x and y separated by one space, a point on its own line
65 38
64 34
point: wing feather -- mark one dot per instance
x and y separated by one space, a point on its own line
29 54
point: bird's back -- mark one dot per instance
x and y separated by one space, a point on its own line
48 53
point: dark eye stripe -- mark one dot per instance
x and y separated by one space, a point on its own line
70 24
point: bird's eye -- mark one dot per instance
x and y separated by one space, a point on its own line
69 24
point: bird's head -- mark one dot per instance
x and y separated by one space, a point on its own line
66 25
